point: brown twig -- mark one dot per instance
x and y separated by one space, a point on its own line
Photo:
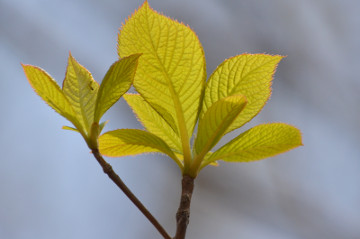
117 180
183 213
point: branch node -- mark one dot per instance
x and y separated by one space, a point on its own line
107 168
183 213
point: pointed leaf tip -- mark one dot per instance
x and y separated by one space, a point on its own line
47 88
217 120
247 74
116 82
260 142
173 66
102 125
81 90
70 128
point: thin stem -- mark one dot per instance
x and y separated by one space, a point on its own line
183 213
117 180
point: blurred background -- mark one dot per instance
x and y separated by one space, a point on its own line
51 186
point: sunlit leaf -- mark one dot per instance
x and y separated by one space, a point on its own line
216 121
116 82
81 90
260 142
152 121
213 163
70 128
102 125
46 87
247 74
171 71
125 142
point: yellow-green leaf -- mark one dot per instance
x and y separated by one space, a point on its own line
116 82
260 142
125 142
216 121
171 71
208 155
81 90
152 121
47 88
102 125
247 74
70 128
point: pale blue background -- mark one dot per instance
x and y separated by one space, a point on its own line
51 187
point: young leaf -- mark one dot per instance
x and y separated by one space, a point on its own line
81 90
70 128
152 121
46 87
171 71
116 82
247 74
102 125
260 142
216 121
125 142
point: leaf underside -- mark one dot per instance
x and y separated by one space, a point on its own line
116 82
81 90
171 71
152 121
126 142
259 142
81 100
248 74
47 88
70 128
217 120
171 79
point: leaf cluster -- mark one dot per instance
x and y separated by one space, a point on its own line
173 97
184 114
81 100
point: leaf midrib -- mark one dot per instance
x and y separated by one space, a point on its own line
80 99
242 77
207 146
251 149
178 109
